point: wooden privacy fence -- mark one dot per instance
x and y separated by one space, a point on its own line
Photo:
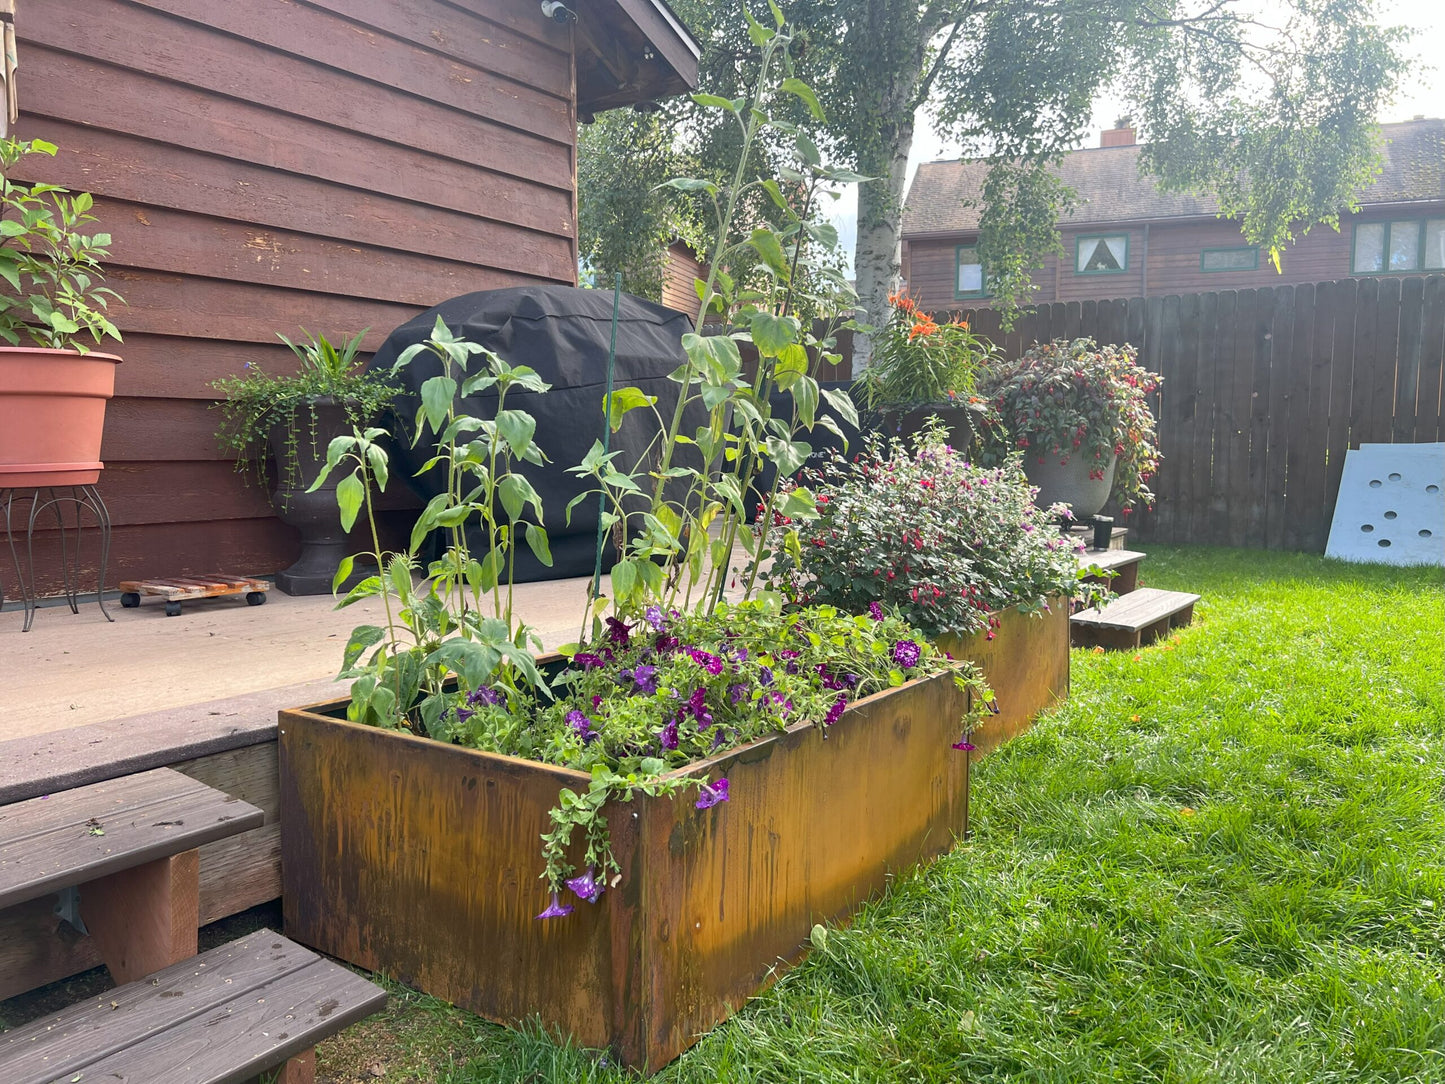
1263 392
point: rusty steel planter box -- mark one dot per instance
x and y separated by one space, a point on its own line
1026 664
421 859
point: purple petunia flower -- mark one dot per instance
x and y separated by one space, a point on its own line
484 695
586 660
875 611
556 909
719 736
710 796
708 661
667 736
697 704
906 654
836 711
586 886
583 725
653 616
963 744
765 675
645 677
463 714
618 631
737 693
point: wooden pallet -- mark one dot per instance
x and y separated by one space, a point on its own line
1132 620
1123 563
174 589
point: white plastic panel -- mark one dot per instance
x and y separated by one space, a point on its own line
1391 507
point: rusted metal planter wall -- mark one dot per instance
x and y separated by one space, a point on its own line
1026 664
422 859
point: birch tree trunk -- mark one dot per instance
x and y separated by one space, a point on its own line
878 252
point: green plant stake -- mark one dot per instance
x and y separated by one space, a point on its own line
606 440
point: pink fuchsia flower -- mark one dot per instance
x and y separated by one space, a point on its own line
710 796
906 654
586 886
556 909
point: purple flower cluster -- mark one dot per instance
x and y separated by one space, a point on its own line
582 725
906 654
711 795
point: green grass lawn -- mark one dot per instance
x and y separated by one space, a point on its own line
1222 860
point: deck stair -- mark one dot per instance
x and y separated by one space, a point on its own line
1124 564
122 859
1134 619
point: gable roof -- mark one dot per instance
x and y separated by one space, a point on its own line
1111 189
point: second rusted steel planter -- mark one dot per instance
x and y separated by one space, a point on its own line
1026 664
420 859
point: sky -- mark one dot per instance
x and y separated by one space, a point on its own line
1422 94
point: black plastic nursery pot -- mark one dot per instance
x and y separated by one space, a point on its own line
421 859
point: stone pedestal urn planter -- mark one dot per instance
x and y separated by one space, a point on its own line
1070 483
52 415
323 542
421 859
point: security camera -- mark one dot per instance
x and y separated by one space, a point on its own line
558 12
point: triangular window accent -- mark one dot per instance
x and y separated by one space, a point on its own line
1102 254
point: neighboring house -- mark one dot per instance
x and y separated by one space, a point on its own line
336 164
1125 238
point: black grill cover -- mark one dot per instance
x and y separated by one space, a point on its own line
563 333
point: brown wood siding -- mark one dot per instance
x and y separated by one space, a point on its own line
264 165
1173 261
679 277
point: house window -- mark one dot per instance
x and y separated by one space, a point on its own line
1389 248
1107 255
1229 259
969 281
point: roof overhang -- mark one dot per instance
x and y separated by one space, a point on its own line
631 52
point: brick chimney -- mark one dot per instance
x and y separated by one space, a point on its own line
1122 135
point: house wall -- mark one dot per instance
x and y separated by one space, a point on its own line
265 165
1172 264
679 275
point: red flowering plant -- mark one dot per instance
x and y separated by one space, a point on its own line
1069 399
918 361
910 527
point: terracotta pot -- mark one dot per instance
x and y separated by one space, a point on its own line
1070 483
420 858
314 515
52 415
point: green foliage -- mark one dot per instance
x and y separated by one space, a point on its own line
676 516
913 528
52 269
256 403
437 630
919 362
1077 398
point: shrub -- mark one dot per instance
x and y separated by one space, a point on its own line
1068 399
911 527
918 361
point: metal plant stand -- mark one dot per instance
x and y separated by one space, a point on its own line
59 500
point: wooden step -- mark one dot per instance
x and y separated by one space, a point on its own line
223 1017
1132 620
60 840
1123 563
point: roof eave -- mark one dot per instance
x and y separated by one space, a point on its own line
640 51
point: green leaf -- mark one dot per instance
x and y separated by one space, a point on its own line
767 245
808 150
350 493
516 428
772 333
792 363
624 580
343 573
788 455
805 398
623 400
759 33
362 637
715 101
691 184
841 402
802 90
537 540
437 395
516 492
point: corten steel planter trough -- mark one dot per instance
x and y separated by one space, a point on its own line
421 859
1026 664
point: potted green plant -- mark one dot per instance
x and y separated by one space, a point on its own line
53 308
295 417
921 369
1079 413
625 838
911 528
